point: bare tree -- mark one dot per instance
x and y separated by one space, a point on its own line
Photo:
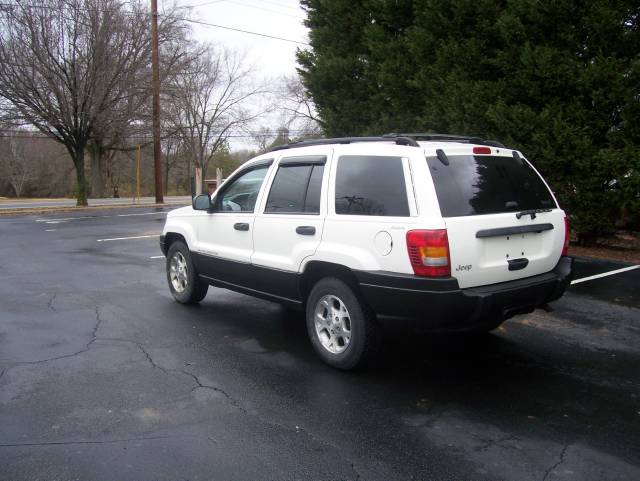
298 109
263 138
171 158
211 102
15 164
127 123
64 64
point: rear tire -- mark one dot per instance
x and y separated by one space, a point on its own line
184 283
341 327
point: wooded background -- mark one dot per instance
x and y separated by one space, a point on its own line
559 80
75 79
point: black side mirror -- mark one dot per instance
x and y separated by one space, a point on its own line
201 202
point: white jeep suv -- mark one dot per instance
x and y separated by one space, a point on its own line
455 232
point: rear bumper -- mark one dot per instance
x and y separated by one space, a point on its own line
440 304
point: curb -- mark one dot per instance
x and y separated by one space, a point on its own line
46 210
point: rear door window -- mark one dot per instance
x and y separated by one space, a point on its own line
312 201
371 185
296 187
483 184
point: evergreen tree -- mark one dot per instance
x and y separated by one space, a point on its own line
559 80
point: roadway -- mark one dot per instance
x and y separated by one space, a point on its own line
103 377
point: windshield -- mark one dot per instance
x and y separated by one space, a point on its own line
483 184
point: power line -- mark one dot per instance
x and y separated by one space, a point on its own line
297 9
207 24
41 136
199 22
252 132
205 3
243 4
213 2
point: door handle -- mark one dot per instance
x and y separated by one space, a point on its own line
305 230
241 226
517 264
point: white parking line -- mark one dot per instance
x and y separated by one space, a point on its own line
65 219
156 257
143 213
127 238
604 274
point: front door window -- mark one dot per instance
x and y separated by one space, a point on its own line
241 194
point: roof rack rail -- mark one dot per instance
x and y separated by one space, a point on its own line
425 136
399 140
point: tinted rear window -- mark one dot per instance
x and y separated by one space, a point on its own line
289 189
312 203
476 185
371 185
296 189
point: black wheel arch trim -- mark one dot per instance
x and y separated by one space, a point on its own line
169 238
163 246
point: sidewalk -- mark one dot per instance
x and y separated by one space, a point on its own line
7 203
12 206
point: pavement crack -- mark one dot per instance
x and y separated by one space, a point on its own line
149 358
558 463
292 429
317 439
51 301
94 333
94 338
234 402
353 467
497 442
65 443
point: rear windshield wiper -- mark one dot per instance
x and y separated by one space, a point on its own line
531 212
442 157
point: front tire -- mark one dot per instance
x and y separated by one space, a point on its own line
341 327
185 285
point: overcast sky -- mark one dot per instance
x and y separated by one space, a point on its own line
271 58
279 18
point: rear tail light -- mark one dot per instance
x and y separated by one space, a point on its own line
429 252
565 247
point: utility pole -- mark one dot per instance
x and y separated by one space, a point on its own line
138 159
155 68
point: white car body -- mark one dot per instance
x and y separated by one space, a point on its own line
268 258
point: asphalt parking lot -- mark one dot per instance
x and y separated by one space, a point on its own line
104 377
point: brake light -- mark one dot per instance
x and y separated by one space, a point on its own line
482 150
429 252
565 247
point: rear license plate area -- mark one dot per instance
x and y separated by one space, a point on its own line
516 246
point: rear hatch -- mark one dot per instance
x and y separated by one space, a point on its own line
502 221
